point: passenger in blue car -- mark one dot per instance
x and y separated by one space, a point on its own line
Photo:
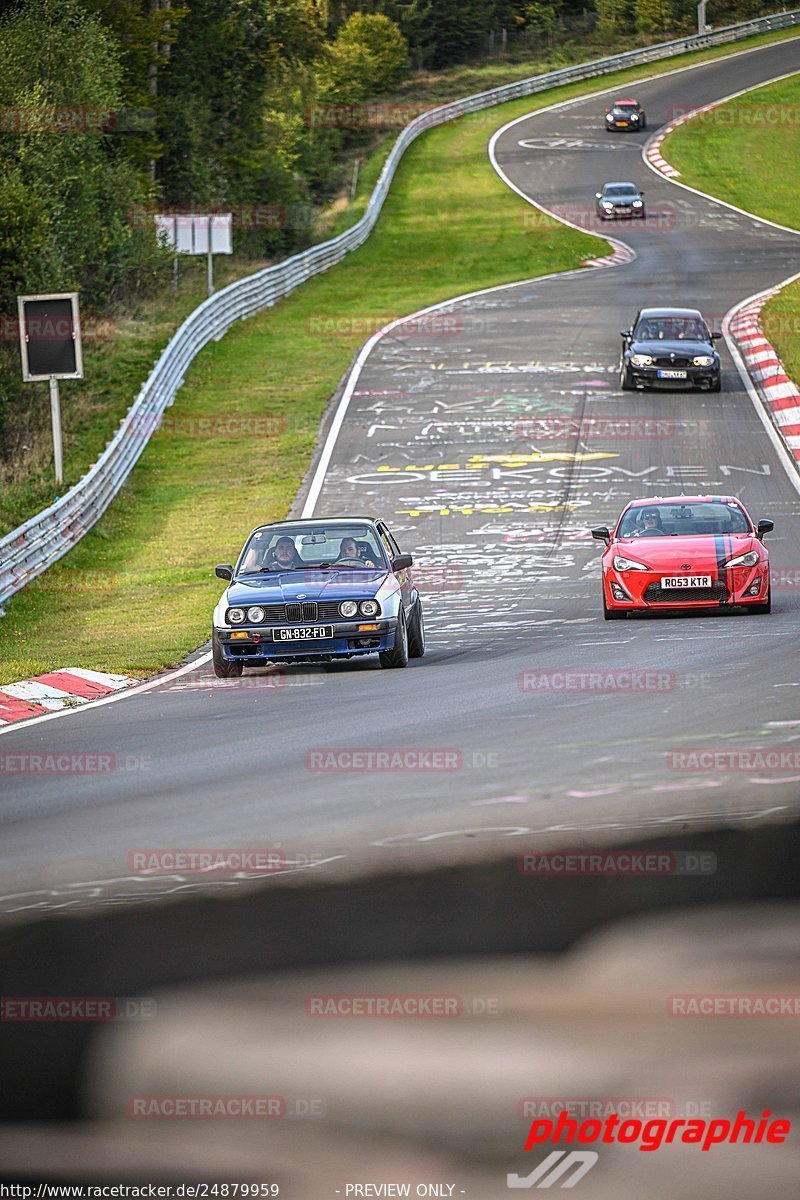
283 556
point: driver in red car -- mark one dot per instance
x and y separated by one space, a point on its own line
651 524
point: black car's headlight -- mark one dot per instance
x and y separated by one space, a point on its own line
348 608
236 616
642 360
703 360
369 608
256 614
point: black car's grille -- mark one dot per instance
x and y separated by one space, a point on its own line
665 361
655 594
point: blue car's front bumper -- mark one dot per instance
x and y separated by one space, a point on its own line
348 641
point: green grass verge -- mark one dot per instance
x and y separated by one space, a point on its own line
136 594
746 152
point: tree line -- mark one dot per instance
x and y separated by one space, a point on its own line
111 110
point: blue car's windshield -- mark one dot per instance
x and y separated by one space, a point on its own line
295 547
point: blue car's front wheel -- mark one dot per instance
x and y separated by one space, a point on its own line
416 632
398 655
223 667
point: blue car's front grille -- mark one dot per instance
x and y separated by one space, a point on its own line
296 613
301 612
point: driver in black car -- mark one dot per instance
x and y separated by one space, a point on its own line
348 549
651 524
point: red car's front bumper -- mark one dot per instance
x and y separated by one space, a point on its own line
641 591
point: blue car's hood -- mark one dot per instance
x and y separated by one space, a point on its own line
275 587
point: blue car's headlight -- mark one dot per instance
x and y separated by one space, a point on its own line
236 615
255 614
369 608
348 608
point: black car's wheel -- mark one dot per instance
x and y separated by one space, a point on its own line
762 608
611 614
716 384
416 632
222 668
642 122
625 381
398 655
643 215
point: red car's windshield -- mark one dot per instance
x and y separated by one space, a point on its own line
705 517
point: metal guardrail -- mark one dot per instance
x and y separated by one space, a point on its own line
30 549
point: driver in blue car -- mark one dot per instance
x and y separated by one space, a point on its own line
348 549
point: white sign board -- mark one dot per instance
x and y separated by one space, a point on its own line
188 233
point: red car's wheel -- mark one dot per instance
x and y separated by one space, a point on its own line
611 614
762 608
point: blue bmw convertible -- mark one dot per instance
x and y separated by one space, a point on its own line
316 590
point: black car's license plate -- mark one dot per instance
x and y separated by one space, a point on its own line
303 633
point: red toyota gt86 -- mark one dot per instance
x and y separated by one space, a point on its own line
682 552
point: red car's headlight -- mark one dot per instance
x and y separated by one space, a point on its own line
627 564
750 559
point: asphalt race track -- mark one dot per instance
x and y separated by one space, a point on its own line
490 436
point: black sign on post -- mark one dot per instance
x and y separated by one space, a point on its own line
50 337
50 344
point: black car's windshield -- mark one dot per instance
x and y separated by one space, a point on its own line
699 518
654 329
297 547
620 189
624 110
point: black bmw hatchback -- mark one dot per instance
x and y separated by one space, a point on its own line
672 348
